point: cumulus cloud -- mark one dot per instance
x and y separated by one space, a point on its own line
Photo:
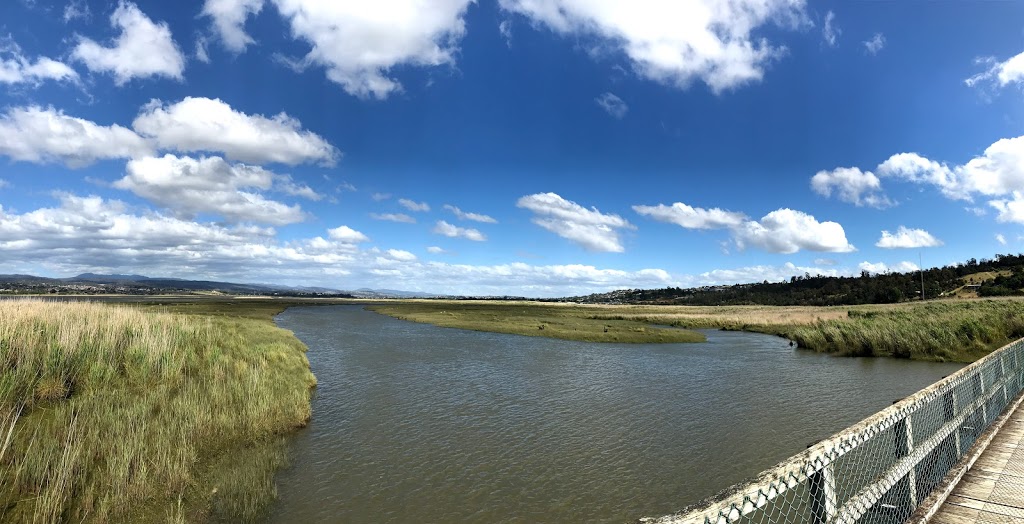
850 184
449 230
907 238
692 217
591 229
377 197
760 273
999 171
612 105
412 205
878 268
393 217
913 167
347 235
875 44
831 31
189 186
675 43
401 255
143 49
16 68
229 17
475 217
1010 209
435 250
358 43
999 73
999 236
203 124
788 231
46 135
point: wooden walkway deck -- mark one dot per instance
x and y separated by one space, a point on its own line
992 491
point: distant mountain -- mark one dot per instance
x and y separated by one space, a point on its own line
143 285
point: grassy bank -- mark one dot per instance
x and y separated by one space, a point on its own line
119 414
953 330
533 319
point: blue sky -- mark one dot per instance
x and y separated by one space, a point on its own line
508 146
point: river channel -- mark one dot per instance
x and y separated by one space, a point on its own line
416 423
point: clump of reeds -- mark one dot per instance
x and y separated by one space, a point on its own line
114 413
957 331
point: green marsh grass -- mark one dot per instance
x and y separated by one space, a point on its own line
117 414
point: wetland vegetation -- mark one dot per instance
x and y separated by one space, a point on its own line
123 414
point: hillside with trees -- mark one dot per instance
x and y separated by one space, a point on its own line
1003 275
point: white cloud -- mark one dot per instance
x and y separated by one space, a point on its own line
435 250
591 229
377 197
347 235
1001 74
35 134
203 124
913 167
907 238
826 261
143 48
76 9
360 42
505 28
401 255
15 68
831 31
4 183
1010 210
612 105
850 184
91 234
788 231
411 205
393 217
1001 239
675 43
229 18
999 171
202 54
875 44
881 267
285 184
746 275
692 217
190 186
476 217
449 230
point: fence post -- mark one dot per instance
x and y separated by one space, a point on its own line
822 488
904 441
949 413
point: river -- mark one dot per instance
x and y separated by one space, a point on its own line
416 423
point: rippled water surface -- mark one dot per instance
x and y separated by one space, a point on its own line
415 423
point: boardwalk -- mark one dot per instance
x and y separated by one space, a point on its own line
993 490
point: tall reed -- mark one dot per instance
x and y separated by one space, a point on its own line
118 414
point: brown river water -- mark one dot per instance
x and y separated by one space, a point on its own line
416 423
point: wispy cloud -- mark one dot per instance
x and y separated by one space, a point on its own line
476 217
411 205
449 230
875 44
393 217
612 105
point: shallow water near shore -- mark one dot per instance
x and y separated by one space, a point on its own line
416 423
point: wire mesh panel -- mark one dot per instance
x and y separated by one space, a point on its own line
879 470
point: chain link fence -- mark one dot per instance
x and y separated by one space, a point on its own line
881 469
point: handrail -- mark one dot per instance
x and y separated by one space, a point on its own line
875 467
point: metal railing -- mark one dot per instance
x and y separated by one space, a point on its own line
881 469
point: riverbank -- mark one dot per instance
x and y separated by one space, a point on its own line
534 319
943 331
131 414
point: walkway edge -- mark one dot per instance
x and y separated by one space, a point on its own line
931 505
